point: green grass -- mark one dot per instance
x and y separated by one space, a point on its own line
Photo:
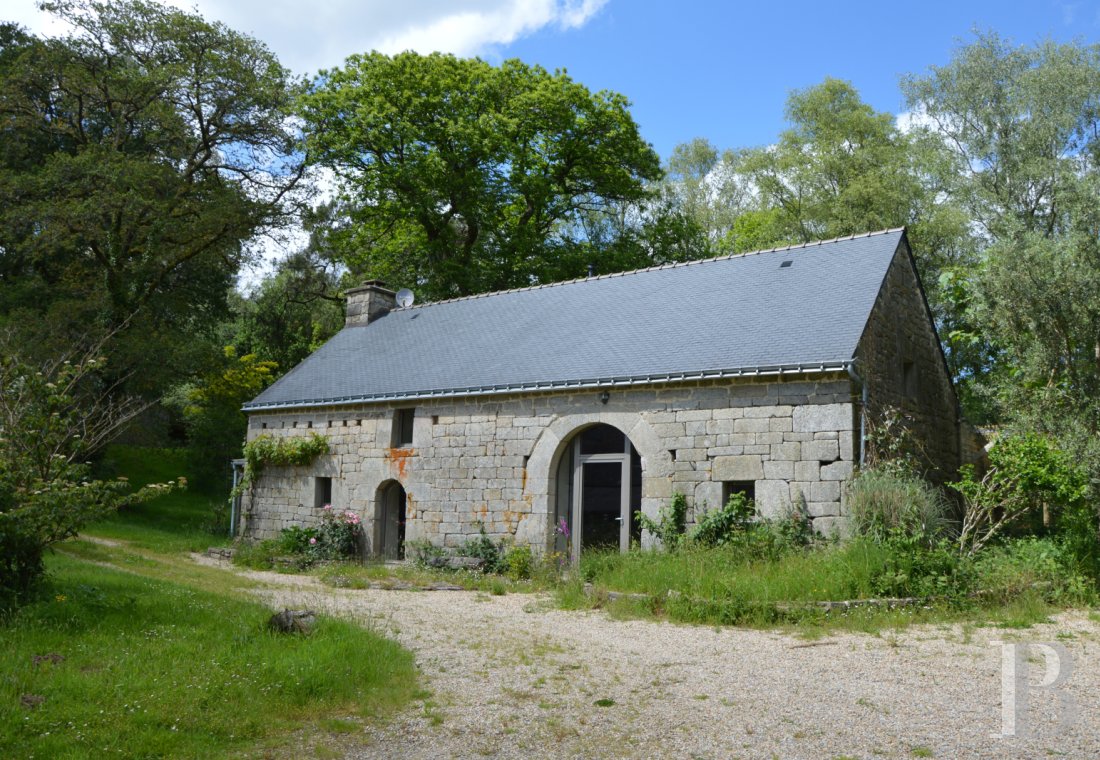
155 668
833 573
720 586
180 521
159 657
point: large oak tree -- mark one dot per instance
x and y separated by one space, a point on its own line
140 153
459 177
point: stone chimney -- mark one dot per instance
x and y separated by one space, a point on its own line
368 302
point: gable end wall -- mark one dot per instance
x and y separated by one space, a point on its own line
899 332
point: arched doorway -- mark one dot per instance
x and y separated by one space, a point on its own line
389 521
598 489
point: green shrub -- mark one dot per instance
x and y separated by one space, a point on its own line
1025 564
1030 483
520 562
793 527
913 568
717 526
1077 533
296 539
211 409
423 552
216 522
49 427
482 547
671 522
338 537
885 502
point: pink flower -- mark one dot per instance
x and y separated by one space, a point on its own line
312 541
563 528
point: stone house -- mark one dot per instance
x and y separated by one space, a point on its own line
585 401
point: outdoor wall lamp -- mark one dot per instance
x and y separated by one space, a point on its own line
605 397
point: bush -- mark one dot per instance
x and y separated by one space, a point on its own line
482 547
1077 534
52 419
884 503
296 539
1043 564
338 537
793 528
520 563
212 414
1030 482
217 518
671 522
913 568
718 526
424 552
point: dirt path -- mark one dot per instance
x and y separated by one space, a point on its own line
513 677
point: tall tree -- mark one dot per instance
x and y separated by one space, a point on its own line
1019 129
290 313
458 176
141 153
841 167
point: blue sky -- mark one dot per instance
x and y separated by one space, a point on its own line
720 70
723 70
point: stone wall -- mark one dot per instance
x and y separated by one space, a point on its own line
900 360
491 460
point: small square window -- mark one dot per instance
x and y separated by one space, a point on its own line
322 492
403 427
730 487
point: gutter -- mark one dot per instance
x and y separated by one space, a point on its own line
612 382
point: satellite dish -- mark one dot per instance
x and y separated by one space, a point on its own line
405 298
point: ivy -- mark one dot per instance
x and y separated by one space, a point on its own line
267 450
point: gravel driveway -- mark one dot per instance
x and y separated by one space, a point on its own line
513 677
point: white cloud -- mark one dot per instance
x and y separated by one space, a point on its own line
308 37
907 121
468 32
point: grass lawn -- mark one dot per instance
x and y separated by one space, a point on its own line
180 521
153 656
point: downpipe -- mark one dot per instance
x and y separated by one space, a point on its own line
862 413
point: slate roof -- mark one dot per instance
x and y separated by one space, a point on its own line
736 315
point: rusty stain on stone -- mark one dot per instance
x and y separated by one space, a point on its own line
399 458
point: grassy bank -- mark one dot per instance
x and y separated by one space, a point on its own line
132 650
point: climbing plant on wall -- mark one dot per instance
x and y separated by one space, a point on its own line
267 450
